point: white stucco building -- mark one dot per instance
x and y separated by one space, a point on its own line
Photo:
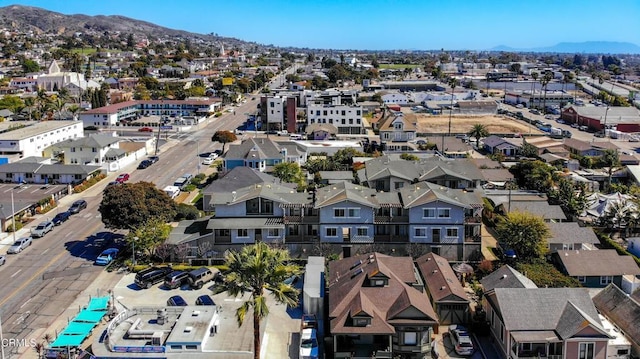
55 79
32 139
347 119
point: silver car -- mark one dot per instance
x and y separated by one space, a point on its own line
42 229
19 245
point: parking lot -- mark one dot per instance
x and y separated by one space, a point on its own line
280 330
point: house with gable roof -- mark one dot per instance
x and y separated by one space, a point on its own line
259 153
446 294
596 268
347 213
554 323
378 306
570 236
397 127
96 149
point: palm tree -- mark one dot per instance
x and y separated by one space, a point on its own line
29 104
534 76
611 160
544 81
453 82
478 131
258 270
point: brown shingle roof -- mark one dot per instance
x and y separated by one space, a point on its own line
350 294
440 279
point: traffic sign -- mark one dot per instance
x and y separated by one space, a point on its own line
166 127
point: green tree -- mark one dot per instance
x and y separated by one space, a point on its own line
409 157
224 137
525 233
29 65
148 236
478 131
534 76
289 172
259 270
130 205
611 160
12 103
571 197
544 81
534 175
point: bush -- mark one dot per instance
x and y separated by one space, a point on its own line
88 183
18 225
186 211
190 187
544 274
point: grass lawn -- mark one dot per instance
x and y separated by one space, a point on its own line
84 50
398 66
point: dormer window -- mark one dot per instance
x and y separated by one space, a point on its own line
378 282
361 322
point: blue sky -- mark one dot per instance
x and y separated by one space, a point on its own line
381 24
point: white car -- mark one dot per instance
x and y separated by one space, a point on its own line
461 340
19 245
308 344
42 229
207 161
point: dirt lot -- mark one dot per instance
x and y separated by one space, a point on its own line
495 124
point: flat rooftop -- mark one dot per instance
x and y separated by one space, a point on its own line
34 128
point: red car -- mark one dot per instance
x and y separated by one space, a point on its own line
145 129
123 178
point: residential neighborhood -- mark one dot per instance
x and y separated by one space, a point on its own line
174 196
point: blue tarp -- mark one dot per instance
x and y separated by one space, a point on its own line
98 303
90 316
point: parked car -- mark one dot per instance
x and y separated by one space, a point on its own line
42 229
144 164
124 177
150 276
205 300
107 256
460 339
308 344
176 279
198 277
207 161
309 321
154 159
3 259
145 129
176 301
19 245
60 217
78 206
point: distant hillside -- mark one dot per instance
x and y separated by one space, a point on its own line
40 20
589 47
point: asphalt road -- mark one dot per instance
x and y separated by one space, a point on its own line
40 283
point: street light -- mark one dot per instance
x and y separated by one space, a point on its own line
133 252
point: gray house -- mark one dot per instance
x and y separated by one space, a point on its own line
597 268
570 236
623 311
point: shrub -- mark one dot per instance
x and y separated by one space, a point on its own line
186 211
190 187
88 183
544 274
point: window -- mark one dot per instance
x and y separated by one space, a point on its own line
567 246
361 322
332 232
354 213
363 231
452 232
273 232
421 232
398 185
243 232
410 338
73 149
191 347
444 213
582 279
428 213
93 149
586 350
176 347
339 212
606 279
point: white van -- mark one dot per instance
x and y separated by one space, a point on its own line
172 191
295 137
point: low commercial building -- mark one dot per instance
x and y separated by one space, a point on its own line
34 137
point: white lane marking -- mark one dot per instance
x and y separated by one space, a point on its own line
16 273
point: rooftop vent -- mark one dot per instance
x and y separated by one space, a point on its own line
504 276
435 271
195 313
188 329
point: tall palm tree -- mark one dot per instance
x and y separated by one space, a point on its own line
453 82
29 104
534 76
478 131
544 81
259 270
611 160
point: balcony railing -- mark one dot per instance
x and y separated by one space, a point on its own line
473 220
391 219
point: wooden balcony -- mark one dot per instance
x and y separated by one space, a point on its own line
471 220
301 219
389 219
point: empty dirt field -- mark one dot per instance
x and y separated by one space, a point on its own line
495 124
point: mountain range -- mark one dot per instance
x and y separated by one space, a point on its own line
40 20
588 47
